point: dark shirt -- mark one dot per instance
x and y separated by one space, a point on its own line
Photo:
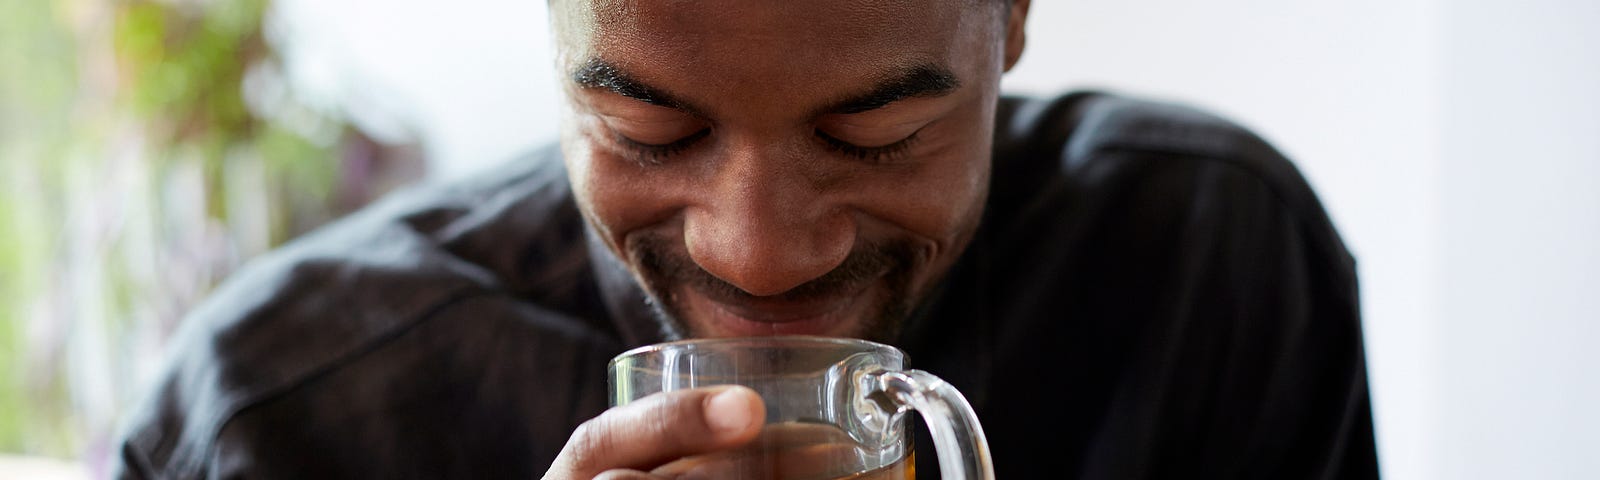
1153 293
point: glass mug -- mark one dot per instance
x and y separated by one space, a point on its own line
835 407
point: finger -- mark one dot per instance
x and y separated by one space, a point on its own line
660 428
621 474
830 460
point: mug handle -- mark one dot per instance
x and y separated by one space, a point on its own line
958 438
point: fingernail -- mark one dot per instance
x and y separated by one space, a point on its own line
729 410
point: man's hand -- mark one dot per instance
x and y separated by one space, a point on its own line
627 441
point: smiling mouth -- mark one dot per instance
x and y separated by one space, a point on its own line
866 295
834 315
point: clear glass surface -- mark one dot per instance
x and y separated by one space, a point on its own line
835 407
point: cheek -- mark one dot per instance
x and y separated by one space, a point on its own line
616 194
938 202
941 195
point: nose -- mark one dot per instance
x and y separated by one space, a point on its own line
764 227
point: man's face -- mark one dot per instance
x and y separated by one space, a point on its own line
772 167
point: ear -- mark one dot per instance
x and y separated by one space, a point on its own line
1015 38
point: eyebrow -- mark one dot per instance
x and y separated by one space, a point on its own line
924 80
597 73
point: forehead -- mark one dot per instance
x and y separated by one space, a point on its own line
772 48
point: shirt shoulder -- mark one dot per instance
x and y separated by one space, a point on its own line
349 289
1091 153
1184 273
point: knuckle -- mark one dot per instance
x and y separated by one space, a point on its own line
678 420
637 434
665 420
622 475
591 444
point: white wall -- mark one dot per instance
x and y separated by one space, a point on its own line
1454 143
1519 250
471 78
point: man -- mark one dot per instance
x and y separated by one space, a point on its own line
1122 289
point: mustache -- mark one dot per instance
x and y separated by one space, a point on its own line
865 263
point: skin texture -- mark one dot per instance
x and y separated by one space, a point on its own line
772 167
735 168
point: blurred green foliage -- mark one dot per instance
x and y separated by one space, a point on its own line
36 87
108 107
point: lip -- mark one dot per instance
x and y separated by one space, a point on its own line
761 317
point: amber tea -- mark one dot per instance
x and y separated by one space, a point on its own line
799 451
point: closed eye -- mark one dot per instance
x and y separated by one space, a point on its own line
656 153
878 154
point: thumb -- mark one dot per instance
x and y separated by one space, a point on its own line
660 428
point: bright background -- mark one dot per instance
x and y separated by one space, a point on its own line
1455 143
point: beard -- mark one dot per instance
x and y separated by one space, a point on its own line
662 270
